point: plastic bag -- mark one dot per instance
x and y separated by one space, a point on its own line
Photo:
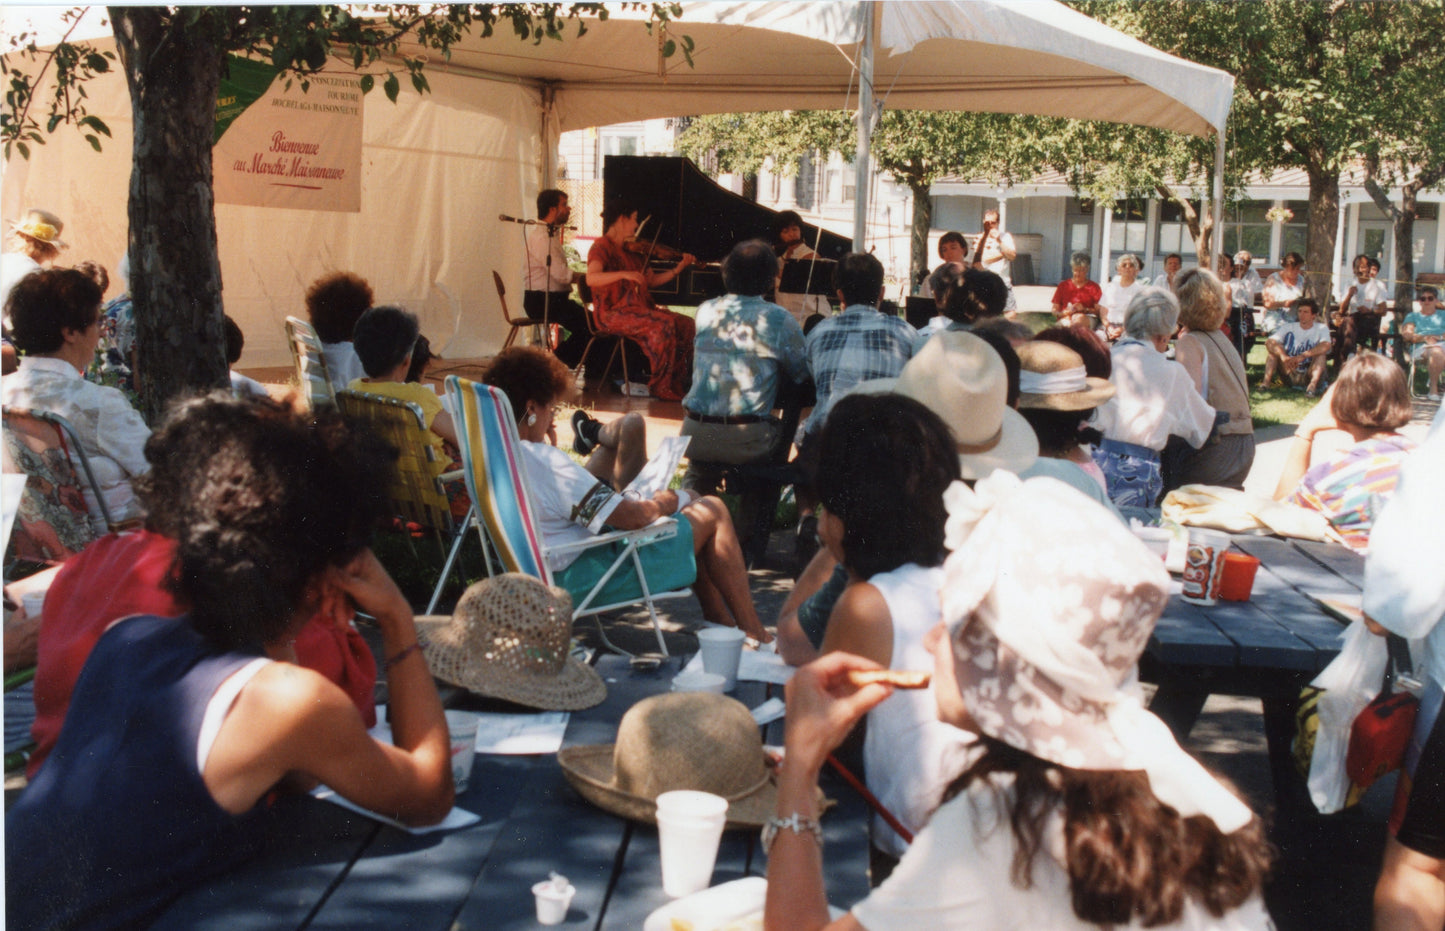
1348 684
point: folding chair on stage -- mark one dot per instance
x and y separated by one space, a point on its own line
310 362
418 495
501 498
53 522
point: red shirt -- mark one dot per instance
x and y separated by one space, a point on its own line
122 574
1087 294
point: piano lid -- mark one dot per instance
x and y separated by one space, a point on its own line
693 212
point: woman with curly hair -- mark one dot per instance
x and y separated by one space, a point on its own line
575 502
180 729
334 303
1080 810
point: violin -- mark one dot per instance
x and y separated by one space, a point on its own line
660 252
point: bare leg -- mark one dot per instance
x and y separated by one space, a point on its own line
621 450
1435 361
720 567
1410 895
1317 372
1273 355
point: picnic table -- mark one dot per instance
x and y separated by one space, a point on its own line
1267 648
324 867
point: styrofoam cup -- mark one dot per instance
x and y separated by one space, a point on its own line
34 602
462 727
689 829
722 651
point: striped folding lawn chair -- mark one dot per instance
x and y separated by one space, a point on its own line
502 502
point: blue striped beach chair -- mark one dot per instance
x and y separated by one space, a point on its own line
502 504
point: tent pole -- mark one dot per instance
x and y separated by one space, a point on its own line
862 160
1216 238
549 139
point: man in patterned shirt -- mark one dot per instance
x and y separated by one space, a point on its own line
745 348
857 345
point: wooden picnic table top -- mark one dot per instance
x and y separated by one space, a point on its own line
1281 627
325 867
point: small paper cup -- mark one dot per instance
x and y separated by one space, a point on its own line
34 603
463 729
552 903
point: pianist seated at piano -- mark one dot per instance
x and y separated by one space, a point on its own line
745 347
789 245
620 281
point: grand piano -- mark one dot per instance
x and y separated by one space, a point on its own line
691 212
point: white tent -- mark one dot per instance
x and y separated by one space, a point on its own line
439 168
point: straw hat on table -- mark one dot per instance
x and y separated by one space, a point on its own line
511 638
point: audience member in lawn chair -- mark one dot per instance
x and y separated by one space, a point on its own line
574 502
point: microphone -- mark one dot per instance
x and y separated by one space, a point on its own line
555 226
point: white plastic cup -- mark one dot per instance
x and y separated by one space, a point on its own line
722 651
34 603
462 727
699 682
552 901
1203 566
689 829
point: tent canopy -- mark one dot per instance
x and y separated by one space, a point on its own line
439 167
1021 56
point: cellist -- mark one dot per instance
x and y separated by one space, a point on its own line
620 281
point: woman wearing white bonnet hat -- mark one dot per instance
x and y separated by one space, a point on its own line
1082 810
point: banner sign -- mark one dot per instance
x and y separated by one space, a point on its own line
280 147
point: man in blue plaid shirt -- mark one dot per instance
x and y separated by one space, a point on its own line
858 344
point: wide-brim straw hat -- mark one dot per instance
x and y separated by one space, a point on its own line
42 226
511 638
1052 377
962 379
678 740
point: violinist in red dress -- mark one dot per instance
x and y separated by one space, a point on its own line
619 279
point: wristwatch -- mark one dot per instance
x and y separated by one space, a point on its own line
796 823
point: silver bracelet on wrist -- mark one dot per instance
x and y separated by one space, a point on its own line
796 823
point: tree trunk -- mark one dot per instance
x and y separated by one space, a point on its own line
918 234
1201 227
1403 222
175 274
1324 223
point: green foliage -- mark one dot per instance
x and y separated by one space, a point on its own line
300 40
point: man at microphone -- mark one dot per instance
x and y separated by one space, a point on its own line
549 279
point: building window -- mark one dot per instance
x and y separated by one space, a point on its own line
1294 233
621 145
1128 233
1246 228
1173 233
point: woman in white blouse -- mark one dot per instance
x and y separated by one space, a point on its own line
1154 398
1117 295
55 315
